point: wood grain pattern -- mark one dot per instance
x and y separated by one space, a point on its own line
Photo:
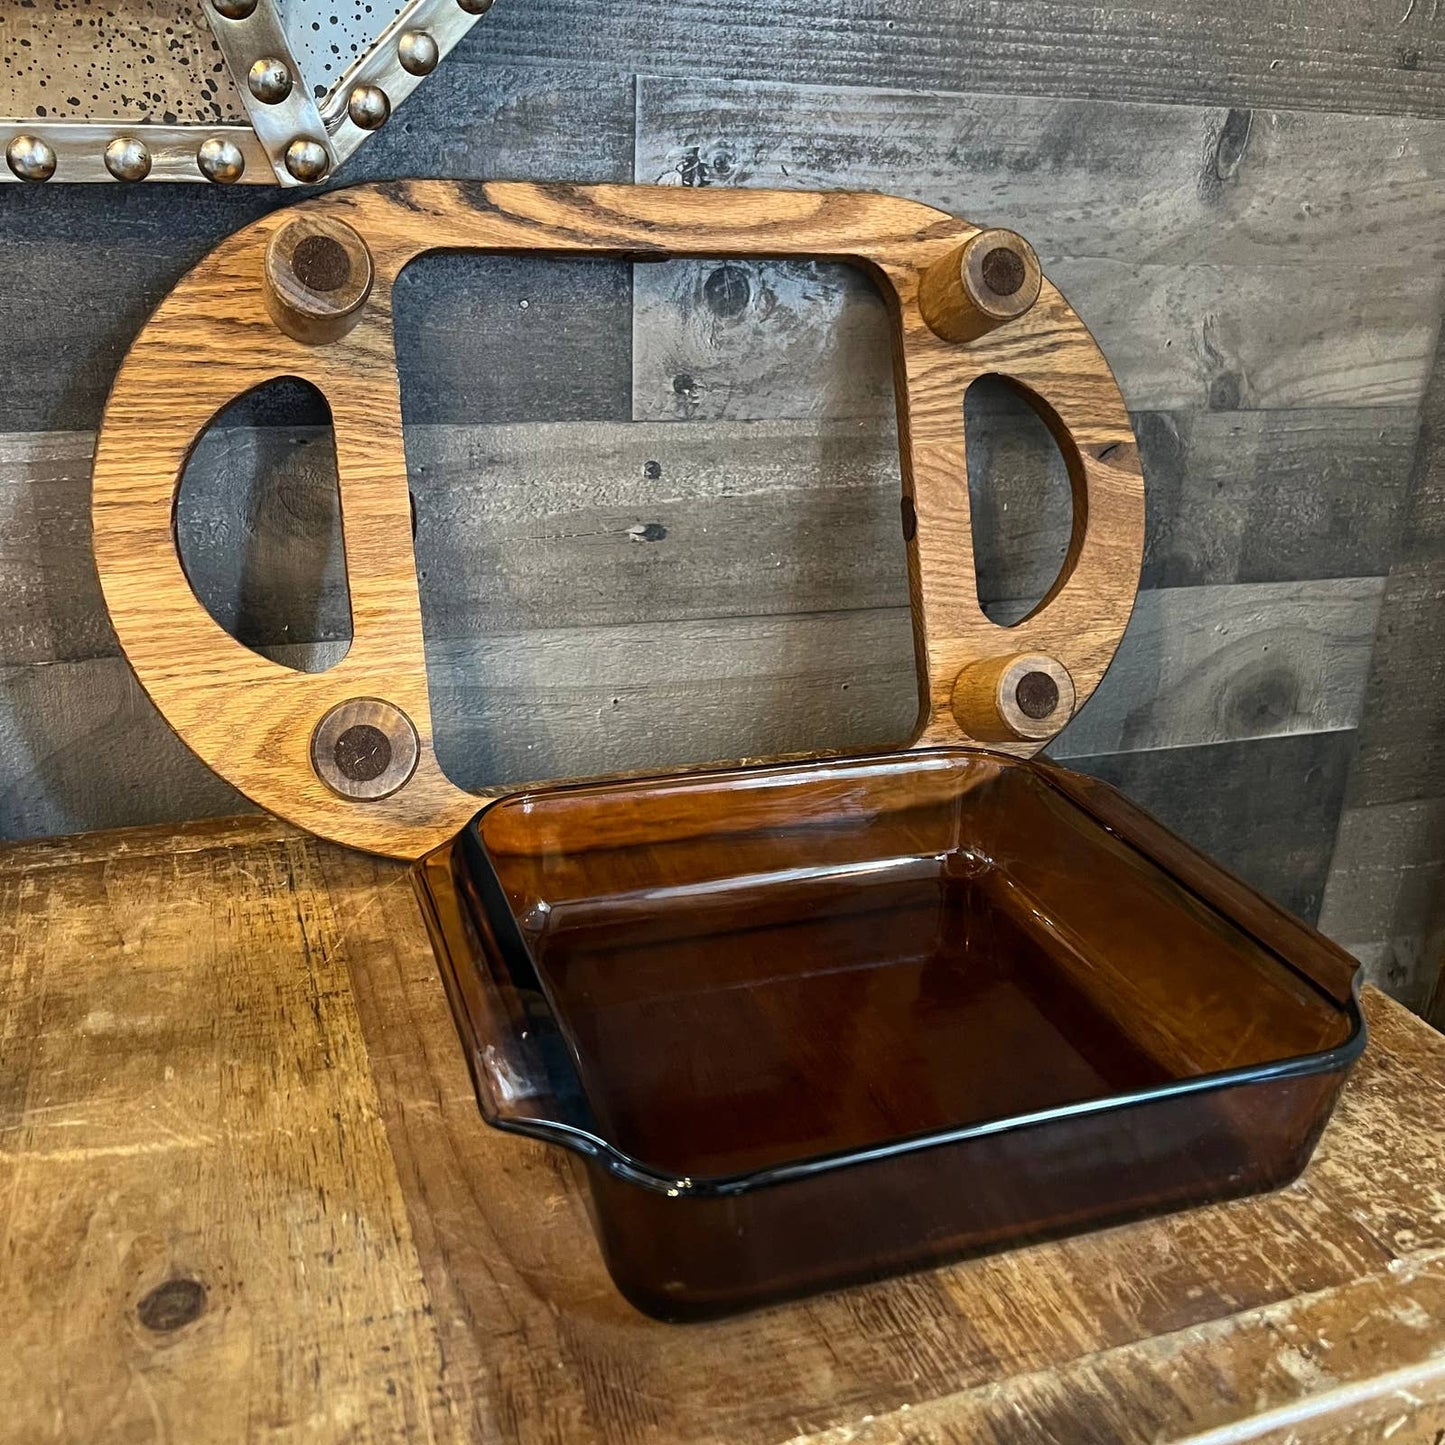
1178 336
253 725
80 743
1387 884
1402 752
1351 58
961 299
1219 664
1187 236
1273 496
1264 158
1384 899
386 1268
1266 809
1107 179
185 1101
556 702
1311 1299
513 339
538 525
1402 745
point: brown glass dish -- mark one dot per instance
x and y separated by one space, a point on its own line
805 1024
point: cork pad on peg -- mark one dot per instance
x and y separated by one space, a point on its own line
1004 699
348 753
992 278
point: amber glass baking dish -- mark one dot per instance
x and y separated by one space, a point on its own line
806 1024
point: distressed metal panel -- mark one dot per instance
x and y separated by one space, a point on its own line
139 61
80 149
329 37
81 73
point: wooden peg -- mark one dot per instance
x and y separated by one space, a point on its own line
318 276
992 278
1026 696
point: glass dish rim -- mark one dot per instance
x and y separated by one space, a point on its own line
597 1149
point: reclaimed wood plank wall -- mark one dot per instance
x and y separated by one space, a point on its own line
657 511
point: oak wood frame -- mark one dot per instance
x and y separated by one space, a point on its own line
213 339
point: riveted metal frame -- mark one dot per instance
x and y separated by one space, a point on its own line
79 148
79 145
261 35
444 20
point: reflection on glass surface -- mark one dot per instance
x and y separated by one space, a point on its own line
809 1023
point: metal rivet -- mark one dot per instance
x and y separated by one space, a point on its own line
417 52
306 159
365 749
127 159
475 7
368 107
221 161
234 9
30 158
269 80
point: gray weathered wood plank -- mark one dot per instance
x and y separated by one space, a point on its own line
81 747
1352 55
50 602
1241 496
554 702
560 701
1385 898
574 524
1224 259
1201 665
1386 895
1099 179
1212 664
513 338
1402 737
1266 808
1270 496
478 119
811 340
1402 744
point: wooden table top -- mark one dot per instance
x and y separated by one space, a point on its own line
245 1194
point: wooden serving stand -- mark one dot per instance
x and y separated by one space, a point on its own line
247 1191
347 754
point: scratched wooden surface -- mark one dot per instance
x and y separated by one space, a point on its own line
246 1194
1244 200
